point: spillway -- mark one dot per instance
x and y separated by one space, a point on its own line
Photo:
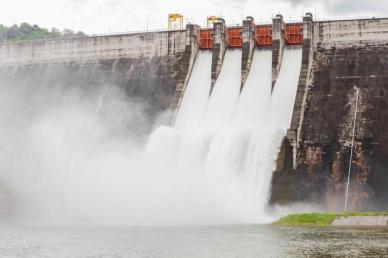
284 92
214 165
254 99
196 96
227 153
225 95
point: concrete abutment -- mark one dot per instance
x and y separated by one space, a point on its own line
190 54
293 132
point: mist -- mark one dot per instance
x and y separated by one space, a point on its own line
77 149
66 149
81 144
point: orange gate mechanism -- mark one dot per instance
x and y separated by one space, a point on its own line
294 34
205 39
263 36
234 37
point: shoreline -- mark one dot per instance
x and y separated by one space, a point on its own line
337 220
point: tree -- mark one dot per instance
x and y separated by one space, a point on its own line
25 31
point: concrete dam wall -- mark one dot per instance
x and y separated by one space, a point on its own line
153 68
344 55
148 67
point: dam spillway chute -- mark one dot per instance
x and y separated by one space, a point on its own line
196 95
256 94
225 94
284 92
229 153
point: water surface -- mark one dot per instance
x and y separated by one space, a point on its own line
196 241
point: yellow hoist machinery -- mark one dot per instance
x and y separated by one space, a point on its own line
211 20
175 21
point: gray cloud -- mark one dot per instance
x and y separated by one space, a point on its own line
358 6
344 7
330 7
229 2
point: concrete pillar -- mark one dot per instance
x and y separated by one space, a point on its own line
219 48
248 46
191 50
192 46
293 134
278 28
308 27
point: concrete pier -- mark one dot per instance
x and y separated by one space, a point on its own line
278 28
219 48
191 50
301 94
248 46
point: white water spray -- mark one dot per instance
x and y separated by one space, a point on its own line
256 94
284 92
214 166
234 147
197 93
224 97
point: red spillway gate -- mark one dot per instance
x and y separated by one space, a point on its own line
294 34
234 37
205 39
263 36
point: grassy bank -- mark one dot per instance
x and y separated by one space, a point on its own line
320 219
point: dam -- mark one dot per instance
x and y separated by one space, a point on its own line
242 117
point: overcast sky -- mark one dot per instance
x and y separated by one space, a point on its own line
99 16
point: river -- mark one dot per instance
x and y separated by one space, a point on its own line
196 241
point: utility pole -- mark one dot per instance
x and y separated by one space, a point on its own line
351 150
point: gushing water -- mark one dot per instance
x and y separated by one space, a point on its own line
226 91
254 99
284 92
214 166
234 147
197 93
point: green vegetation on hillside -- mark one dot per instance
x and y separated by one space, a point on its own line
320 219
26 31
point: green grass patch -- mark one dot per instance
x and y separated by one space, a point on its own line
320 219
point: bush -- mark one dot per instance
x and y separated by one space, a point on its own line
25 31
